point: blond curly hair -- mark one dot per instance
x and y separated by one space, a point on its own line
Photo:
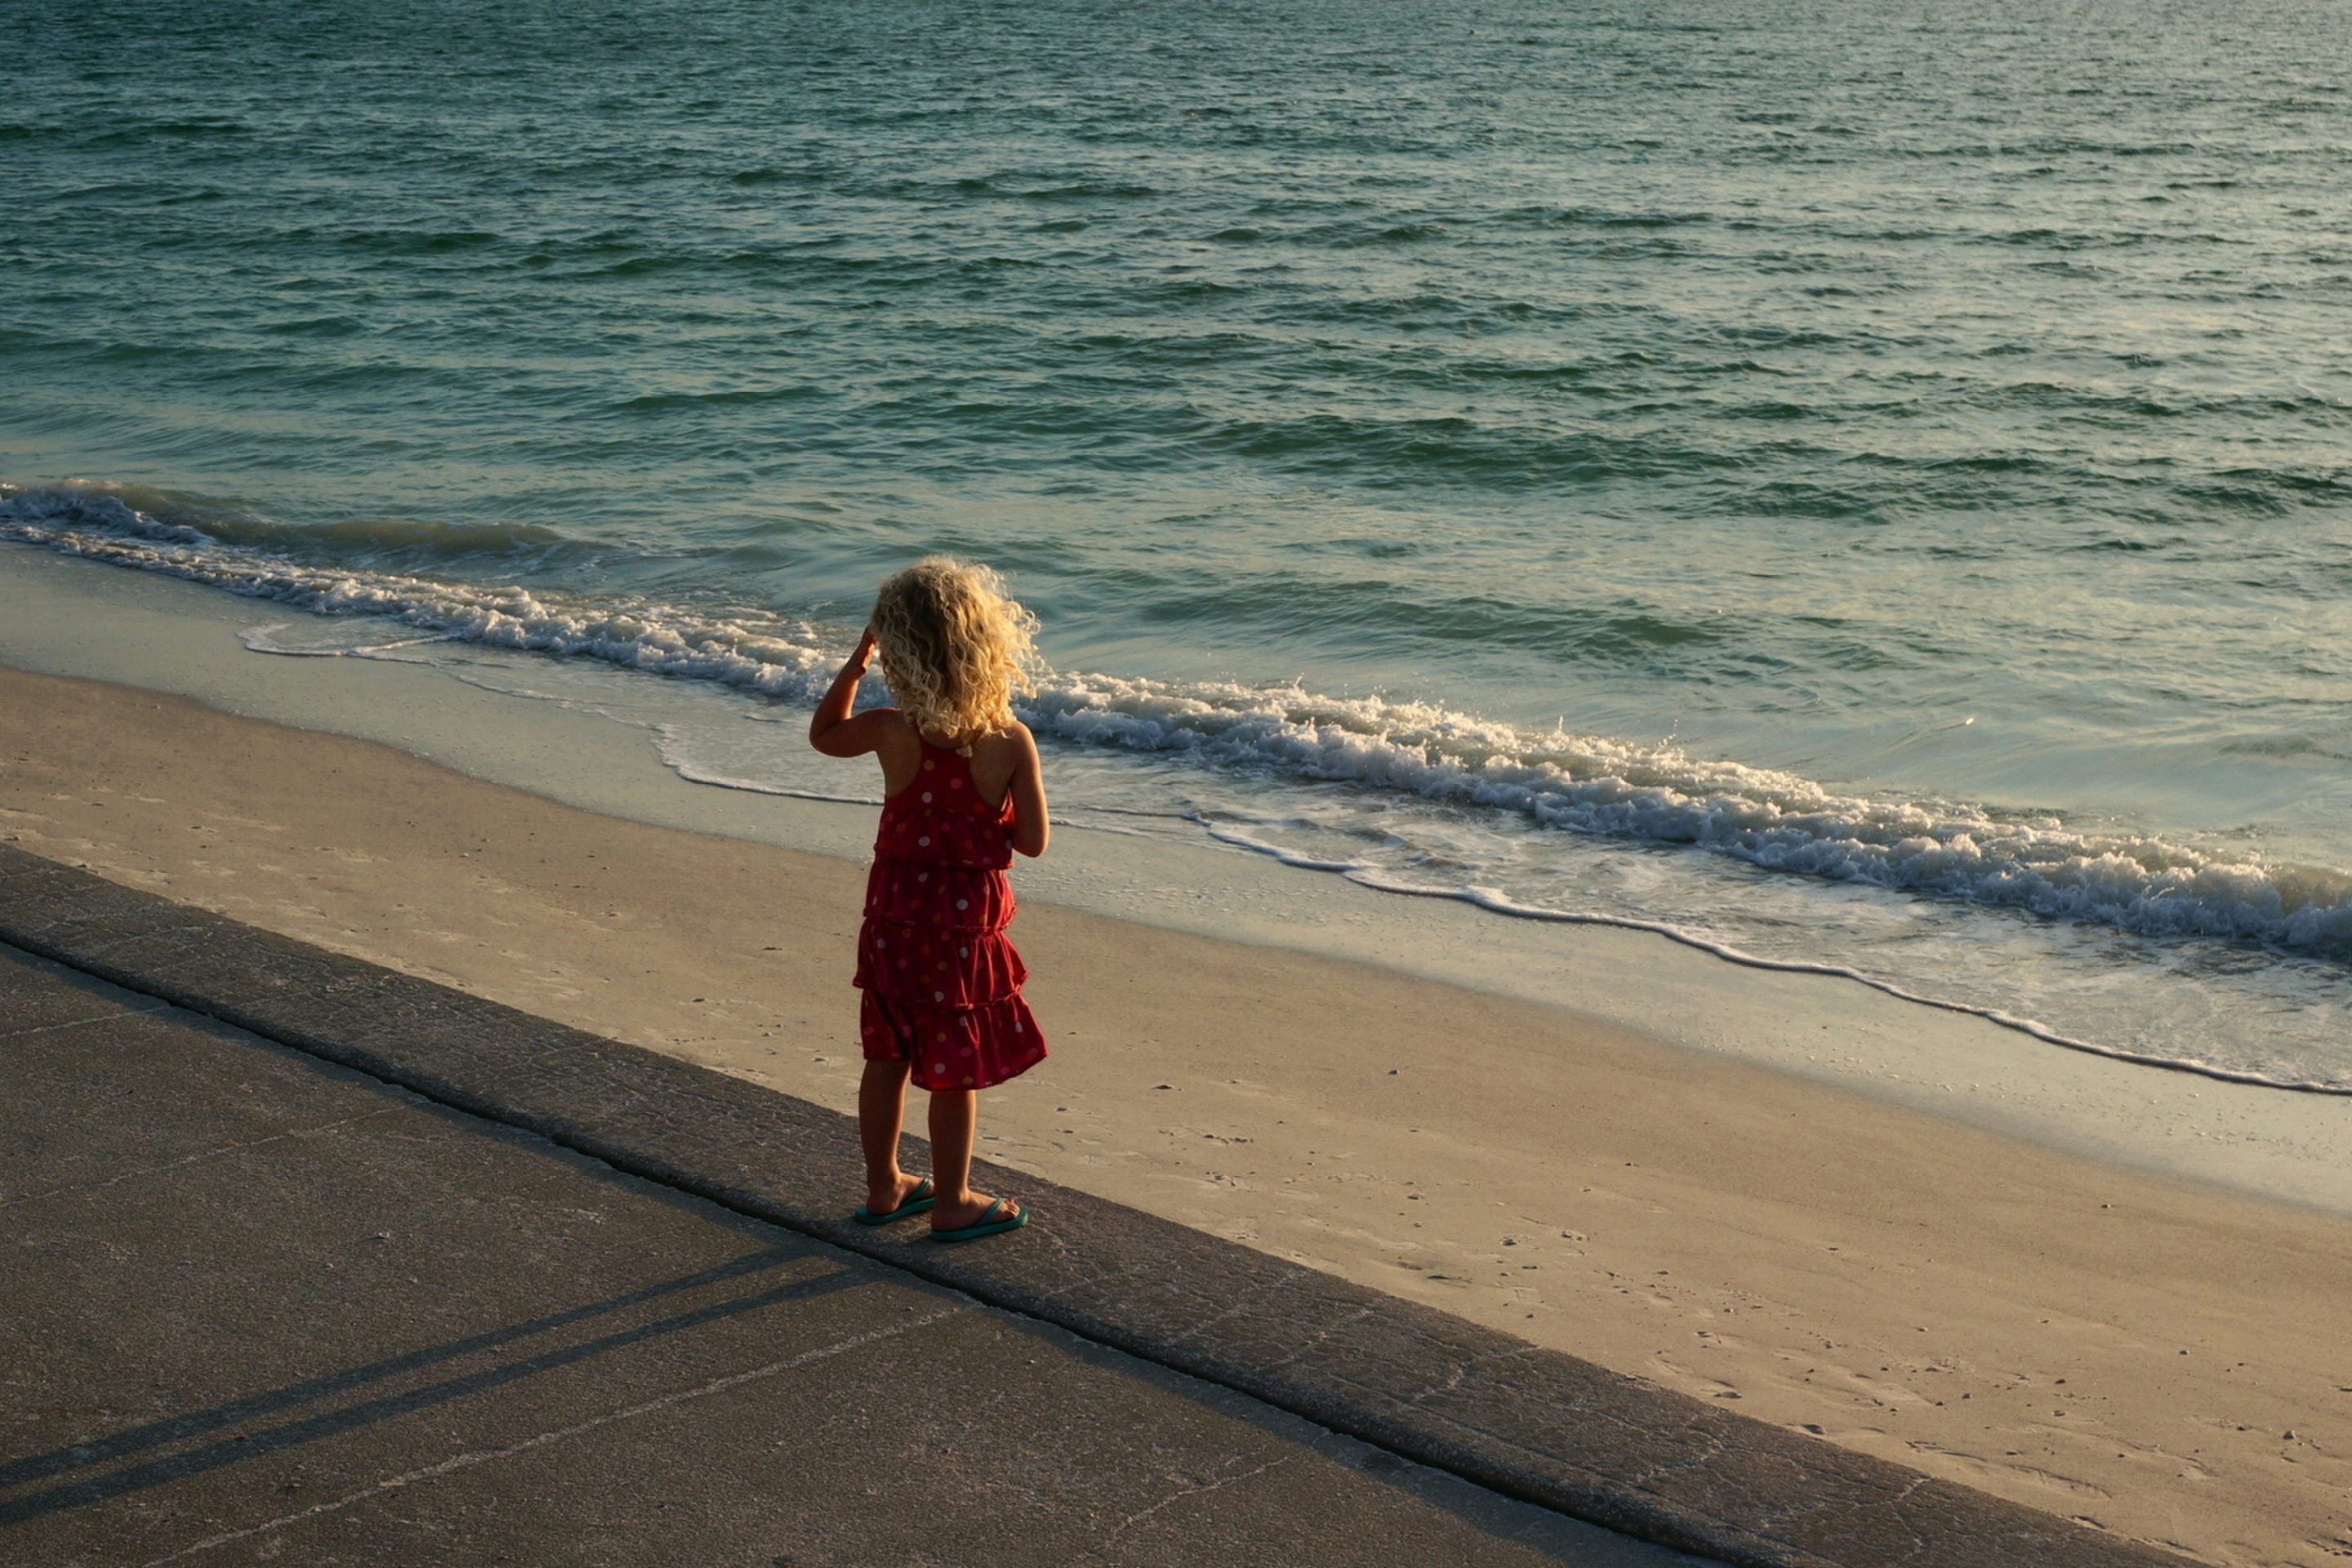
954 648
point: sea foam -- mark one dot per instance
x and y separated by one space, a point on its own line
1556 780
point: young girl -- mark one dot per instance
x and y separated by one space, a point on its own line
961 793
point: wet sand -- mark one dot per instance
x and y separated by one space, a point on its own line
2160 1356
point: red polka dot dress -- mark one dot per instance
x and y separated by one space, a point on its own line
941 981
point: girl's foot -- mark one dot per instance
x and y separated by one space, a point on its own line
982 1215
890 1202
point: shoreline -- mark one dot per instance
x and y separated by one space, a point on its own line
167 635
1902 1284
1677 858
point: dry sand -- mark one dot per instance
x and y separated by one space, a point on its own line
2167 1359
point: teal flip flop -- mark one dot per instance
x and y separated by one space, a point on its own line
921 1198
989 1225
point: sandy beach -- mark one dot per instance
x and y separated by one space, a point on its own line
2159 1357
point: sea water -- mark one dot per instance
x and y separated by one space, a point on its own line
1858 485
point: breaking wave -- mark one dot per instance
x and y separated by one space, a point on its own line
1557 780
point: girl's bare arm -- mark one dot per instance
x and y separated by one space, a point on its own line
832 729
1029 827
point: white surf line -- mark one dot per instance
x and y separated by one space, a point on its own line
484 1456
693 775
256 639
1414 748
1485 898
174 550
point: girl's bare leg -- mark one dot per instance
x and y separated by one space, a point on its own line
955 1120
881 1112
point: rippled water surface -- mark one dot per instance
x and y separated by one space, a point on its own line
1857 483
